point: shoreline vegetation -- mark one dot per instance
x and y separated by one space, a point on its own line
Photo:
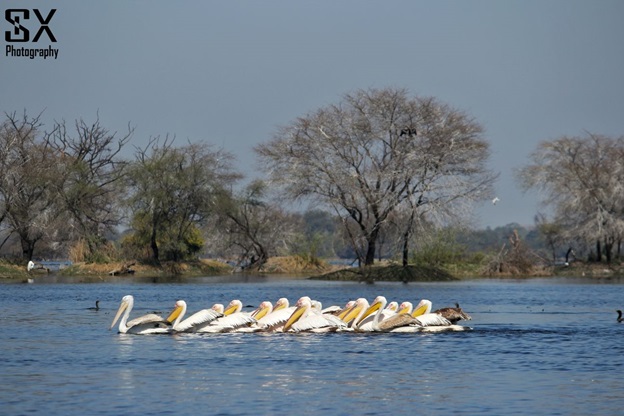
297 265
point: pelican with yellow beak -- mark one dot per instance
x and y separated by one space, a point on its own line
368 322
427 320
260 312
305 318
275 320
231 320
193 323
146 324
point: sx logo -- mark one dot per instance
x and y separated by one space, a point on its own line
15 17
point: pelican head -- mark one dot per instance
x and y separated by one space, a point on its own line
317 305
352 313
233 307
303 305
218 307
378 303
393 306
405 308
282 303
349 305
126 303
423 307
264 309
178 309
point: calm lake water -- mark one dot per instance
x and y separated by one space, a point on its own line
538 346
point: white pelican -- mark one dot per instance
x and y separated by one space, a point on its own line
194 322
310 319
403 321
274 321
369 323
146 324
393 306
337 310
353 314
454 315
386 320
260 312
432 322
263 310
233 318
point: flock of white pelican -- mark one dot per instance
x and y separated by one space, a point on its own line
306 315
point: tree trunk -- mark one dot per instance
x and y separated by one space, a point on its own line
372 245
598 252
608 248
154 244
28 249
406 236
405 248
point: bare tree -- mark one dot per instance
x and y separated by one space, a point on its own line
582 178
90 189
256 228
29 170
376 151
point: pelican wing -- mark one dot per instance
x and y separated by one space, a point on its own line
432 319
150 318
366 325
397 321
315 321
229 323
276 318
447 328
198 319
334 309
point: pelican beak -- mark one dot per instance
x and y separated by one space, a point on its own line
403 311
174 314
371 309
230 309
294 317
260 312
121 310
349 314
419 311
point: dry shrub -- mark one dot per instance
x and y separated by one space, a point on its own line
514 259
79 251
293 264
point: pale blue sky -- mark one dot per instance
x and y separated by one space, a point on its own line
230 72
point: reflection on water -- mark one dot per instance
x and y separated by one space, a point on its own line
538 346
